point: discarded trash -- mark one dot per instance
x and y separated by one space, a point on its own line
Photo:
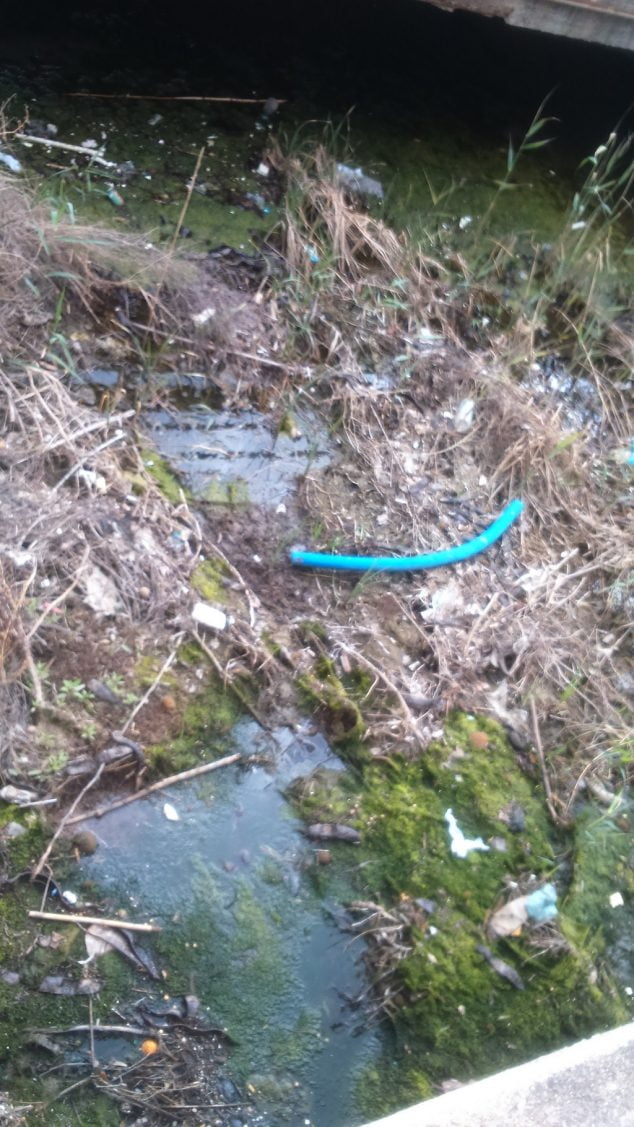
10 162
500 967
155 119
509 919
538 906
210 616
329 831
355 180
70 898
616 900
541 905
204 316
412 563
114 197
101 594
262 169
171 813
17 796
149 1047
461 845
464 416
313 255
100 939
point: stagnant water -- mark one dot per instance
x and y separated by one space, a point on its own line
232 881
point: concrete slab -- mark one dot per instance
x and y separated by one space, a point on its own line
610 22
589 1084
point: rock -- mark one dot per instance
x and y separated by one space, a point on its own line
17 796
86 842
229 1091
10 977
13 830
209 616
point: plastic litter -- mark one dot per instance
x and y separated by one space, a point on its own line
541 905
207 615
171 813
114 197
355 180
461 845
616 900
413 563
10 162
464 416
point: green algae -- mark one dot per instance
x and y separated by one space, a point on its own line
163 475
207 579
453 1015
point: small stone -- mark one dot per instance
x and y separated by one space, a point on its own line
323 856
10 977
479 740
168 703
14 829
86 842
144 592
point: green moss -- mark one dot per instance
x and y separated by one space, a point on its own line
380 1090
207 579
162 474
322 690
232 493
205 723
455 1014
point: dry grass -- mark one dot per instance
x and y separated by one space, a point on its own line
547 615
45 259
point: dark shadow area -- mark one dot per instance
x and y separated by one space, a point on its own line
389 58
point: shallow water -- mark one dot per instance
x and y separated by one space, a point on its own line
231 881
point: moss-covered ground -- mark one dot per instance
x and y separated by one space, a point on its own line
455 1016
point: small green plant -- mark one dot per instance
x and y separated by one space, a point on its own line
88 731
73 690
116 683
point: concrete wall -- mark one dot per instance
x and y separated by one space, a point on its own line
610 22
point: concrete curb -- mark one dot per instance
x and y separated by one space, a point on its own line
588 1084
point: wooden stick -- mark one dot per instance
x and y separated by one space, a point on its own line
133 1030
174 98
155 683
71 918
190 188
47 852
92 153
193 773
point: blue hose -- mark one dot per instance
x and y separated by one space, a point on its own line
414 563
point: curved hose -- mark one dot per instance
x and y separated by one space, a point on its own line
413 563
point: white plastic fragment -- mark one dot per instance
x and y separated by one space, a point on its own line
616 900
262 169
207 615
171 813
461 845
204 316
17 796
10 162
69 897
464 416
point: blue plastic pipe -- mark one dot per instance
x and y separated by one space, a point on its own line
414 563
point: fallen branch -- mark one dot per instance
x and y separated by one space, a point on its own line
71 918
186 202
174 98
132 1030
193 773
47 852
92 153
